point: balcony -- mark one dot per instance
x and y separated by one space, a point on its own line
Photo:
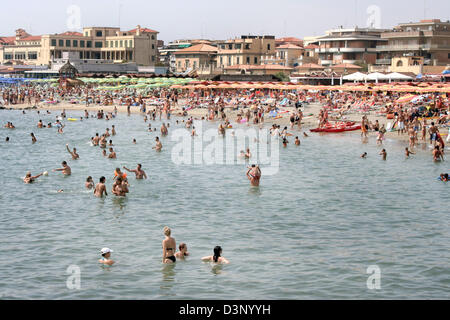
413 47
401 34
383 61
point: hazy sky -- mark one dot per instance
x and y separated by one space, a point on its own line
177 19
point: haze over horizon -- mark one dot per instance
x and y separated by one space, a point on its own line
217 20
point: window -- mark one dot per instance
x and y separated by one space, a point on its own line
53 42
130 43
116 44
238 46
121 43
88 44
107 44
248 60
153 46
247 46
229 60
98 44
221 61
86 34
61 43
399 63
67 43
153 58
179 64
153 37
222 46
186 64
99 34
82 43
195 64
75 43
32 55
230 46
237 60
8 56
268 46
256 60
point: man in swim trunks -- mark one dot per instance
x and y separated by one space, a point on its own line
65 169
100 188
140 174
383 153
433 130
120 188
73 153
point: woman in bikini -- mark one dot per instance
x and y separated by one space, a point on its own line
168 245
217 258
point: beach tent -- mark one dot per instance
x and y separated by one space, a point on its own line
398 76
377 76
357 76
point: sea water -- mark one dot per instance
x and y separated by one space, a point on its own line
311 231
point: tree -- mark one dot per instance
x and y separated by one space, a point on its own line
363 65
281 76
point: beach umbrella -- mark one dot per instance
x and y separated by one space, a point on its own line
406 98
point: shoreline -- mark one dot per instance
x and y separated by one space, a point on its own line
308 122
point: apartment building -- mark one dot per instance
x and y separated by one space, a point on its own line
354 45
245 50
428 39
199 56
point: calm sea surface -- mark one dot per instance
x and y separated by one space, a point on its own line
309 232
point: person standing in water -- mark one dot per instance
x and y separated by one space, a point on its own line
29 178
168 245
140 174
73 153
216 258
89 184
158 145
106 255
33 138
182 254
383 153
100 188
254 175
65 169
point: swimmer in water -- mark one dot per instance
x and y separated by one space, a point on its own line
182 254
248 154
158 146
104 153
29 178
113 130
65 169
100 188
407 152
383 153
7 139
89 184
120 188
285 142
168 246
304 133
134 141
364 155
106 257
73 153
33 138
112 154
254 175
444 177
297 141
217 258
140 174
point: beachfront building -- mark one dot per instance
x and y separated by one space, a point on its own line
353 45
416 47
285 55
246 50
199 56
138 45
167 52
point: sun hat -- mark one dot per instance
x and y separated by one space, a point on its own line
106 250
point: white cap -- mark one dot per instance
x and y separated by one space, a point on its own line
106 250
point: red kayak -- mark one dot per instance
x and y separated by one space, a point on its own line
348 126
